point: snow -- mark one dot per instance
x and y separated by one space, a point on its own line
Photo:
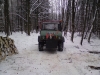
74 60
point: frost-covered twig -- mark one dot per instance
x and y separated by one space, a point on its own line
35 8
19 16
44 7
24 10
43 13
33 5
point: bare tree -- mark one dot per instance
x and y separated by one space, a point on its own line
6 14
85 19
94 18
73 18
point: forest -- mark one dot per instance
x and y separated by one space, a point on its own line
70 47
80 16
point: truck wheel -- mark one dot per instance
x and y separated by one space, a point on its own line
40 46
60 47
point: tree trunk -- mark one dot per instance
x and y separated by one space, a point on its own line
73 17
7 21
84 23
92 25
28 23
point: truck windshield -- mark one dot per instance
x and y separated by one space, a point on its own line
50 26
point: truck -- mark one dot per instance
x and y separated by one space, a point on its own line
51 36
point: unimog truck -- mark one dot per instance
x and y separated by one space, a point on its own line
51 36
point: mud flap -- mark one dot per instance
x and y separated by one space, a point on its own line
51 43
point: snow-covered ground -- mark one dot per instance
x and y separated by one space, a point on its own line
74 60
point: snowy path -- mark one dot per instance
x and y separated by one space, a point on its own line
74 60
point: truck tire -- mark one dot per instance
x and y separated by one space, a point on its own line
60 46
40 46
